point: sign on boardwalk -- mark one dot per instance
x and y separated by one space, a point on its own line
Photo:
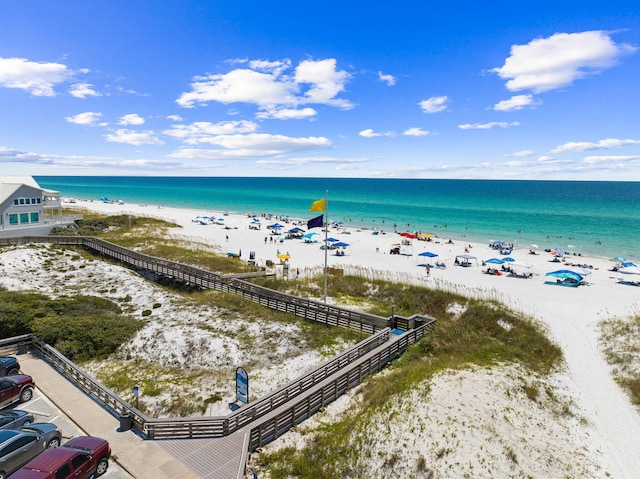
242 386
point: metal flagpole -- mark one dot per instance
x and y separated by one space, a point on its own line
326 243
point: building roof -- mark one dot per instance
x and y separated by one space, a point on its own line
19 180
10 184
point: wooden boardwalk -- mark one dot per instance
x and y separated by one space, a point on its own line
217 458
207 458
218 447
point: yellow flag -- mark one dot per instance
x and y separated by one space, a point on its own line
318 205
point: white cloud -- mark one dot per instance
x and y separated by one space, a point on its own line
602 144
517 102
36 78
251 146
313 160
200 131
326 82
523 153
174 118
609 159
369 133
286 114
549 63
86 118
487 126
267 86
132 137
131 119
78 161
434 104
9 155
390 80
416 131
83 90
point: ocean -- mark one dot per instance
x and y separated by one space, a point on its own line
586 217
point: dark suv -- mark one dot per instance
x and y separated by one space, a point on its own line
80 458
16 388
9 366
19 447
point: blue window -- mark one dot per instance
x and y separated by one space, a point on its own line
35 217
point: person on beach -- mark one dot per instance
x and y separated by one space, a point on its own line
428 269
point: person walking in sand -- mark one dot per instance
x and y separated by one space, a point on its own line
428 269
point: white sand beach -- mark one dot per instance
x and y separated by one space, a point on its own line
601 439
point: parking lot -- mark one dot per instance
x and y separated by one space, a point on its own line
44 410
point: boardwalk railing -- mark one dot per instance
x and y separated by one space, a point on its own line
295 411
309 309
272 415
315 389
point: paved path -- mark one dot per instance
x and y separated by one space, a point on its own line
140 458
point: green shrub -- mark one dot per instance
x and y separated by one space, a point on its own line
82 327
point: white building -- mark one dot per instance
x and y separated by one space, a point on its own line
27 209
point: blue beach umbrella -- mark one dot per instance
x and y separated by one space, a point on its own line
565 274
341 244
332 240
309 235
620 258
494 261
428 254
508 259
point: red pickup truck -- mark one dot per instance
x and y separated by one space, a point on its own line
16 388
80 458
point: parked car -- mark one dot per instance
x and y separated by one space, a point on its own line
14 418
19 447
9 366
80 458
16 388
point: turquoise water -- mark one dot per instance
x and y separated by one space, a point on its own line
597 218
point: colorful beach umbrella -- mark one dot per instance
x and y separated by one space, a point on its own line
565 274
494 261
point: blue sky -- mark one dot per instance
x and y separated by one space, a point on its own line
419 89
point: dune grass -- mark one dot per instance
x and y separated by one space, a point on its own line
621 346
151 236
481 333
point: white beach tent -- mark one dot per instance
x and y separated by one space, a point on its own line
466 259
521 268
626 274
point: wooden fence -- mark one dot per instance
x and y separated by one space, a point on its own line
299 399
272 415
309 309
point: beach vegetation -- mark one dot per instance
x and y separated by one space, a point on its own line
621 347
472 336
152 236
80 327
314 335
